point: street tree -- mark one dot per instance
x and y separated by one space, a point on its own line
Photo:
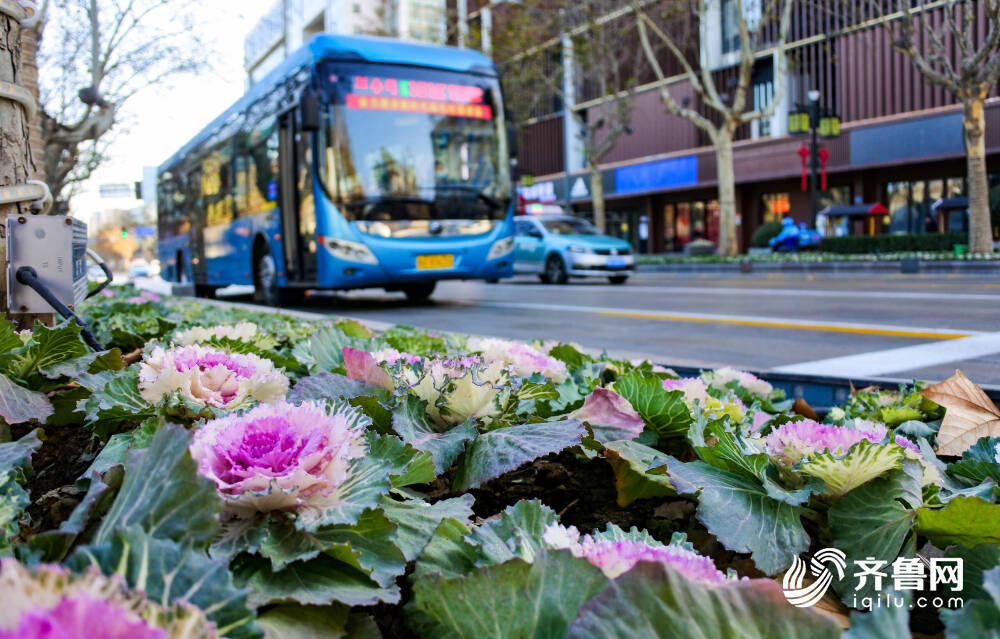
759 24
945 44
552 51
95 55
16 162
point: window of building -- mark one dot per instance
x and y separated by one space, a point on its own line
911 206
763 94
669 232
775 206
730 26
835 196
683 234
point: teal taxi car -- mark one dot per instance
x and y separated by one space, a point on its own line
558 247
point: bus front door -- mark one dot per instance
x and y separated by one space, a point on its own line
298 210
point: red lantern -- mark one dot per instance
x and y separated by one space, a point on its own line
824 155
804 154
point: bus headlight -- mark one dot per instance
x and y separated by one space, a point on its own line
500 248
350 251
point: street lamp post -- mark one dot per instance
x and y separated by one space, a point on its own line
811 120
814 152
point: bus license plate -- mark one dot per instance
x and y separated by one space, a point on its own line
616 262
433 262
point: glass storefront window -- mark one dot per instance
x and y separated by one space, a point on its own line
669 236
698 221
683 224
712 215
956 187
835 196
775 206
898 198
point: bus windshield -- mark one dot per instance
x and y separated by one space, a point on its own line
405 145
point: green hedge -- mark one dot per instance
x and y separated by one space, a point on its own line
893 243
764 233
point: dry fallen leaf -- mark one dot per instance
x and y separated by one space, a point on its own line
970 414
803 408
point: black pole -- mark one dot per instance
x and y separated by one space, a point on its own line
814 158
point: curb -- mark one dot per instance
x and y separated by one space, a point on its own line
943 266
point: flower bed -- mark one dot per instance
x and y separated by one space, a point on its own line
239 474
820 258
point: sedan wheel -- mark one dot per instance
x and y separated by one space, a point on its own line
555 270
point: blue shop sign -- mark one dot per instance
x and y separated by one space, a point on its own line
654 176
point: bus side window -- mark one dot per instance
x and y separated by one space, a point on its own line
217 185
240 188
262 169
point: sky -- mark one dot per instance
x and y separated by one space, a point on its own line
164 119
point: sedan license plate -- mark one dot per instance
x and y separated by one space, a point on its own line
433 262
616 262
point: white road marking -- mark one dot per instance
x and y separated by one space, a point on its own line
895 360
708 317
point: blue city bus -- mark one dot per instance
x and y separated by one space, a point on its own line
358 162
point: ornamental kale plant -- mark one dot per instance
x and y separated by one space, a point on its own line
221 472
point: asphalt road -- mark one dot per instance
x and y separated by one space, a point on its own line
886 325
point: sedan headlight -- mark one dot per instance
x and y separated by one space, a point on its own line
500 248
577 248
350 251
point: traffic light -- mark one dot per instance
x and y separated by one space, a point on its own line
124 232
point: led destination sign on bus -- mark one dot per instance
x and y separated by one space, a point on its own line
414 96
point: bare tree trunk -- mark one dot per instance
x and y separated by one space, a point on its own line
597 196
15 158
727 193
974 129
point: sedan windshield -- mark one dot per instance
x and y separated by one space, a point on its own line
404 143
569 226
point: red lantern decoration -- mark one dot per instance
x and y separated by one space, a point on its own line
804 154
824 155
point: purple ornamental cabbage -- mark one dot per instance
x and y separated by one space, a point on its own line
456 389
210 377
720 378
47 601
279 457
521 359
696 392
610 416
843 457
364 367
617 557
241 332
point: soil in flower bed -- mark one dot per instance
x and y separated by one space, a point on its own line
582 491
64 456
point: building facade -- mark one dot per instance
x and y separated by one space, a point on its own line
900 141
290 23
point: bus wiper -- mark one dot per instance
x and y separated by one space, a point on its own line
490 201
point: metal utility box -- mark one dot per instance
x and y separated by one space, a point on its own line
56 247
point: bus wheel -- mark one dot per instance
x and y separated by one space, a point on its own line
555 270
265 279
618 279
419 292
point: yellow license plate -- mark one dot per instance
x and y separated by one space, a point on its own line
431 262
